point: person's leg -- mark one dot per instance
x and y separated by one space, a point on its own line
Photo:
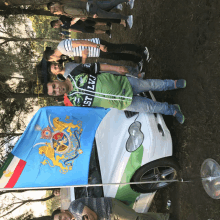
143 104
107 6
97 31
144 85
111 47
120 56
105 20
87 29
89 22
110 15
124 212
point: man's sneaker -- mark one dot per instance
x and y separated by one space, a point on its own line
131 3
119 7
140 65
108 33
180 84
130 21
179 115
146 54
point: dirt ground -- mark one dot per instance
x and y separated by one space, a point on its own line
183 38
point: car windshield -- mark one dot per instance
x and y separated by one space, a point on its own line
93 178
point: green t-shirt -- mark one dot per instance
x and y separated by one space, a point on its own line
99 90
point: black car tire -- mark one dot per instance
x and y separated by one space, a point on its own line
162 169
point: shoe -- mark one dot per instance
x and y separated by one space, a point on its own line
146 54
109 25
180 84
119 7
131 3
179 115
142 75
140 65
109 34
130 21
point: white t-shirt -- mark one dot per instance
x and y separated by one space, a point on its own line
69 67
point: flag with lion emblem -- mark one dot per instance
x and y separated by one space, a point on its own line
54 150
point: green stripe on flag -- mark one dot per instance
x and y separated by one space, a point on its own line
6 164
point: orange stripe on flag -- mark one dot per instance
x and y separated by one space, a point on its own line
17 172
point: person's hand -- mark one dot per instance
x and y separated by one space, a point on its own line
103 48
95 16
85 53
122 70
89 214
83 19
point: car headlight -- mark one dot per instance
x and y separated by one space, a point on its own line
136 137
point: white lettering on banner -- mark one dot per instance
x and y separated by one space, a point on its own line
91 81
87 98
87 103
94 77
92 88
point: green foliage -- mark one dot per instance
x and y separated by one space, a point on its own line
42 29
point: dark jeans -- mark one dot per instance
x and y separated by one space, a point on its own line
102 9
84 26
114 51
106 20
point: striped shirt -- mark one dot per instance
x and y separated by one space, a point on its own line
65 47
101 206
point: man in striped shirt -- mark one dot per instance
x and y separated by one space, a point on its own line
98 48
103 208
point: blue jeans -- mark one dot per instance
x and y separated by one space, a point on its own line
143 104
102 9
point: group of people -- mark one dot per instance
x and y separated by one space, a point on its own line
103 85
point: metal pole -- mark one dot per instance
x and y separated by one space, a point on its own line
91 185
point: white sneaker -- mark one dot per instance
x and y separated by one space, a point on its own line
130 21
131 3
140 65
119 7
147 54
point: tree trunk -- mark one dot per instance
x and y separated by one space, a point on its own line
23 202
16 39
5 11
22 96
6 135
24 2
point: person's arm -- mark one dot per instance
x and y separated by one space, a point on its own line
86 43
84 55
74 20
90 215
120 69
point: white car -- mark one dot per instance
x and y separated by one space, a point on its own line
130 147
